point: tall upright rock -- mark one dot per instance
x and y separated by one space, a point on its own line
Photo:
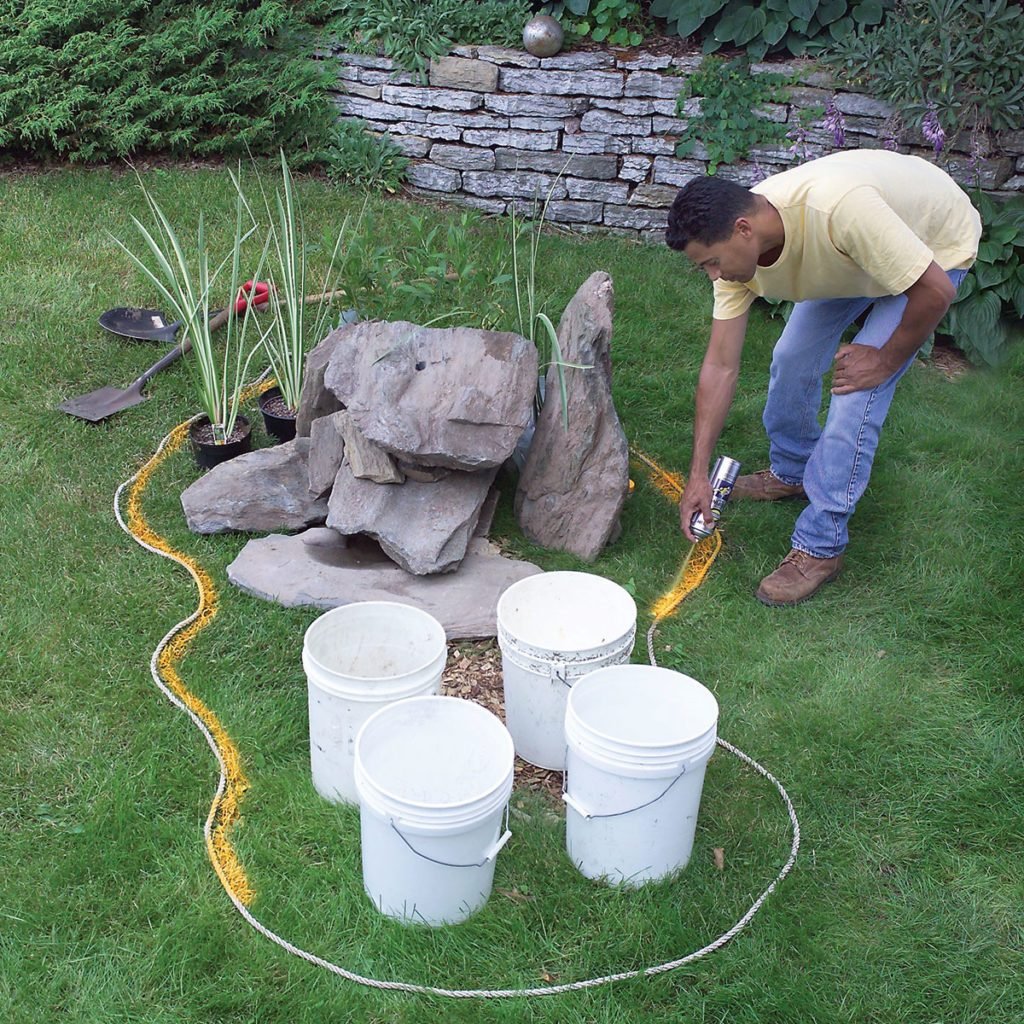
576 477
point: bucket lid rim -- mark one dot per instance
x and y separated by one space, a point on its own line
540 578
690 748
578 692
401 808
503 735
439 658
340 610
436 628
515 647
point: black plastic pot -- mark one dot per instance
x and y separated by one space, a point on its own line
277 418
208 453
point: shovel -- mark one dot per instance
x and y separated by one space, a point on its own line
139 324
150 324
104 402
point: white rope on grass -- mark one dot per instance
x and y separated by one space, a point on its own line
401 986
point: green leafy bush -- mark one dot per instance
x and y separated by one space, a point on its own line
616 22
411 32
355 156
102 79
768 26
955 60
728 125
986 316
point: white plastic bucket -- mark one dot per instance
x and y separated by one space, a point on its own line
639 740
359 658
554 628
434 776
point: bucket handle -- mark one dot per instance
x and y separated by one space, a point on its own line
558 672
489 855
581 810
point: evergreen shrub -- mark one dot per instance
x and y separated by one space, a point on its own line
92 80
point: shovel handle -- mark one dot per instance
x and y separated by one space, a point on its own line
307 300
161 364
218 320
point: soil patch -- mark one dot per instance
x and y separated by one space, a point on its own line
275 405
203 433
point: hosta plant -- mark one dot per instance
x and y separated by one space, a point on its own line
986 317
767 26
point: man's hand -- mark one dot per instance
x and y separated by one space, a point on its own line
696 498
860 368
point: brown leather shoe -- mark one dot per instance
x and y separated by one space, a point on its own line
798 577
765 486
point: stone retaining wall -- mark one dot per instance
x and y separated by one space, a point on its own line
493 126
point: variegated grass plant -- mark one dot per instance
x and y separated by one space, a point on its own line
293 327
524 280
188 281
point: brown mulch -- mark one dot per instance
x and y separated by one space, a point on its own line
950 362
473 672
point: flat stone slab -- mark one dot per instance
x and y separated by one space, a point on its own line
322 569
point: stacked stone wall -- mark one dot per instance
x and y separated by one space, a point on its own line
596 133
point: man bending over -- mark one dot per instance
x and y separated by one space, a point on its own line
859 231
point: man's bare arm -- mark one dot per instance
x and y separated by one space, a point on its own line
715 389
860 367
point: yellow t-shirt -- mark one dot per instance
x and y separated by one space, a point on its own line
862 222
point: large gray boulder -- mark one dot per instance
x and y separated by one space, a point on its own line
253 493
576 479
320 568
456 397
315 399
424 527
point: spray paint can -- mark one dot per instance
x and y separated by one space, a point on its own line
723 476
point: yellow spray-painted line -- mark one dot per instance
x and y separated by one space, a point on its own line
693 571
224 810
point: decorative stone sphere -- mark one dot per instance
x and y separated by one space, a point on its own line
543 36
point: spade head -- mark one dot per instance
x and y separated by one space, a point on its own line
142 324
103 402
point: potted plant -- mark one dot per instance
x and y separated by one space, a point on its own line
220 370
292 329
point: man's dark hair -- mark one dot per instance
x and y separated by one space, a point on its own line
705 211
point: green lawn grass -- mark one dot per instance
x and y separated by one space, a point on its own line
890 706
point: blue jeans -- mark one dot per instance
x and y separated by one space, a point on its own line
832 462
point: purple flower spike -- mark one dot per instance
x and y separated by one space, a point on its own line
835 123
931 129
798 136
